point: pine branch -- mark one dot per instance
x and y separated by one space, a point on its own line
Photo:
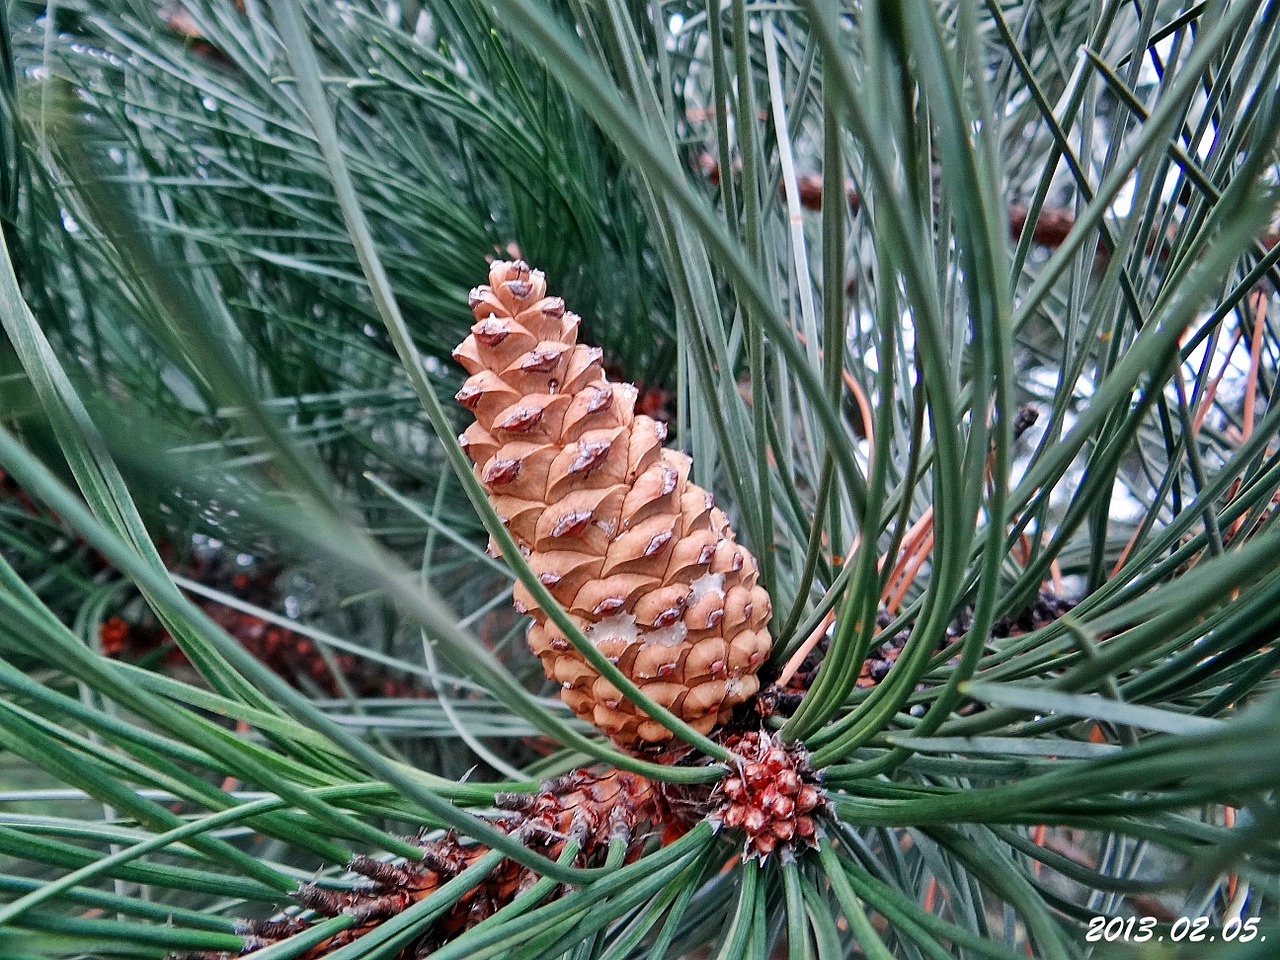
1051 227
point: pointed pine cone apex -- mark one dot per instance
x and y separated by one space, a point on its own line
639 555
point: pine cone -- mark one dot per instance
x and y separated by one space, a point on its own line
592 809
639 556
773 798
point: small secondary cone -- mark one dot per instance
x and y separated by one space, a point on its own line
773 797
591 809
640 556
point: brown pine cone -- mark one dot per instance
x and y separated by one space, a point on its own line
592 809
639 556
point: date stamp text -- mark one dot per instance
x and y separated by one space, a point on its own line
1182 930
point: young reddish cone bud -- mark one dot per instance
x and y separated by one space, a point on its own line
772 799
